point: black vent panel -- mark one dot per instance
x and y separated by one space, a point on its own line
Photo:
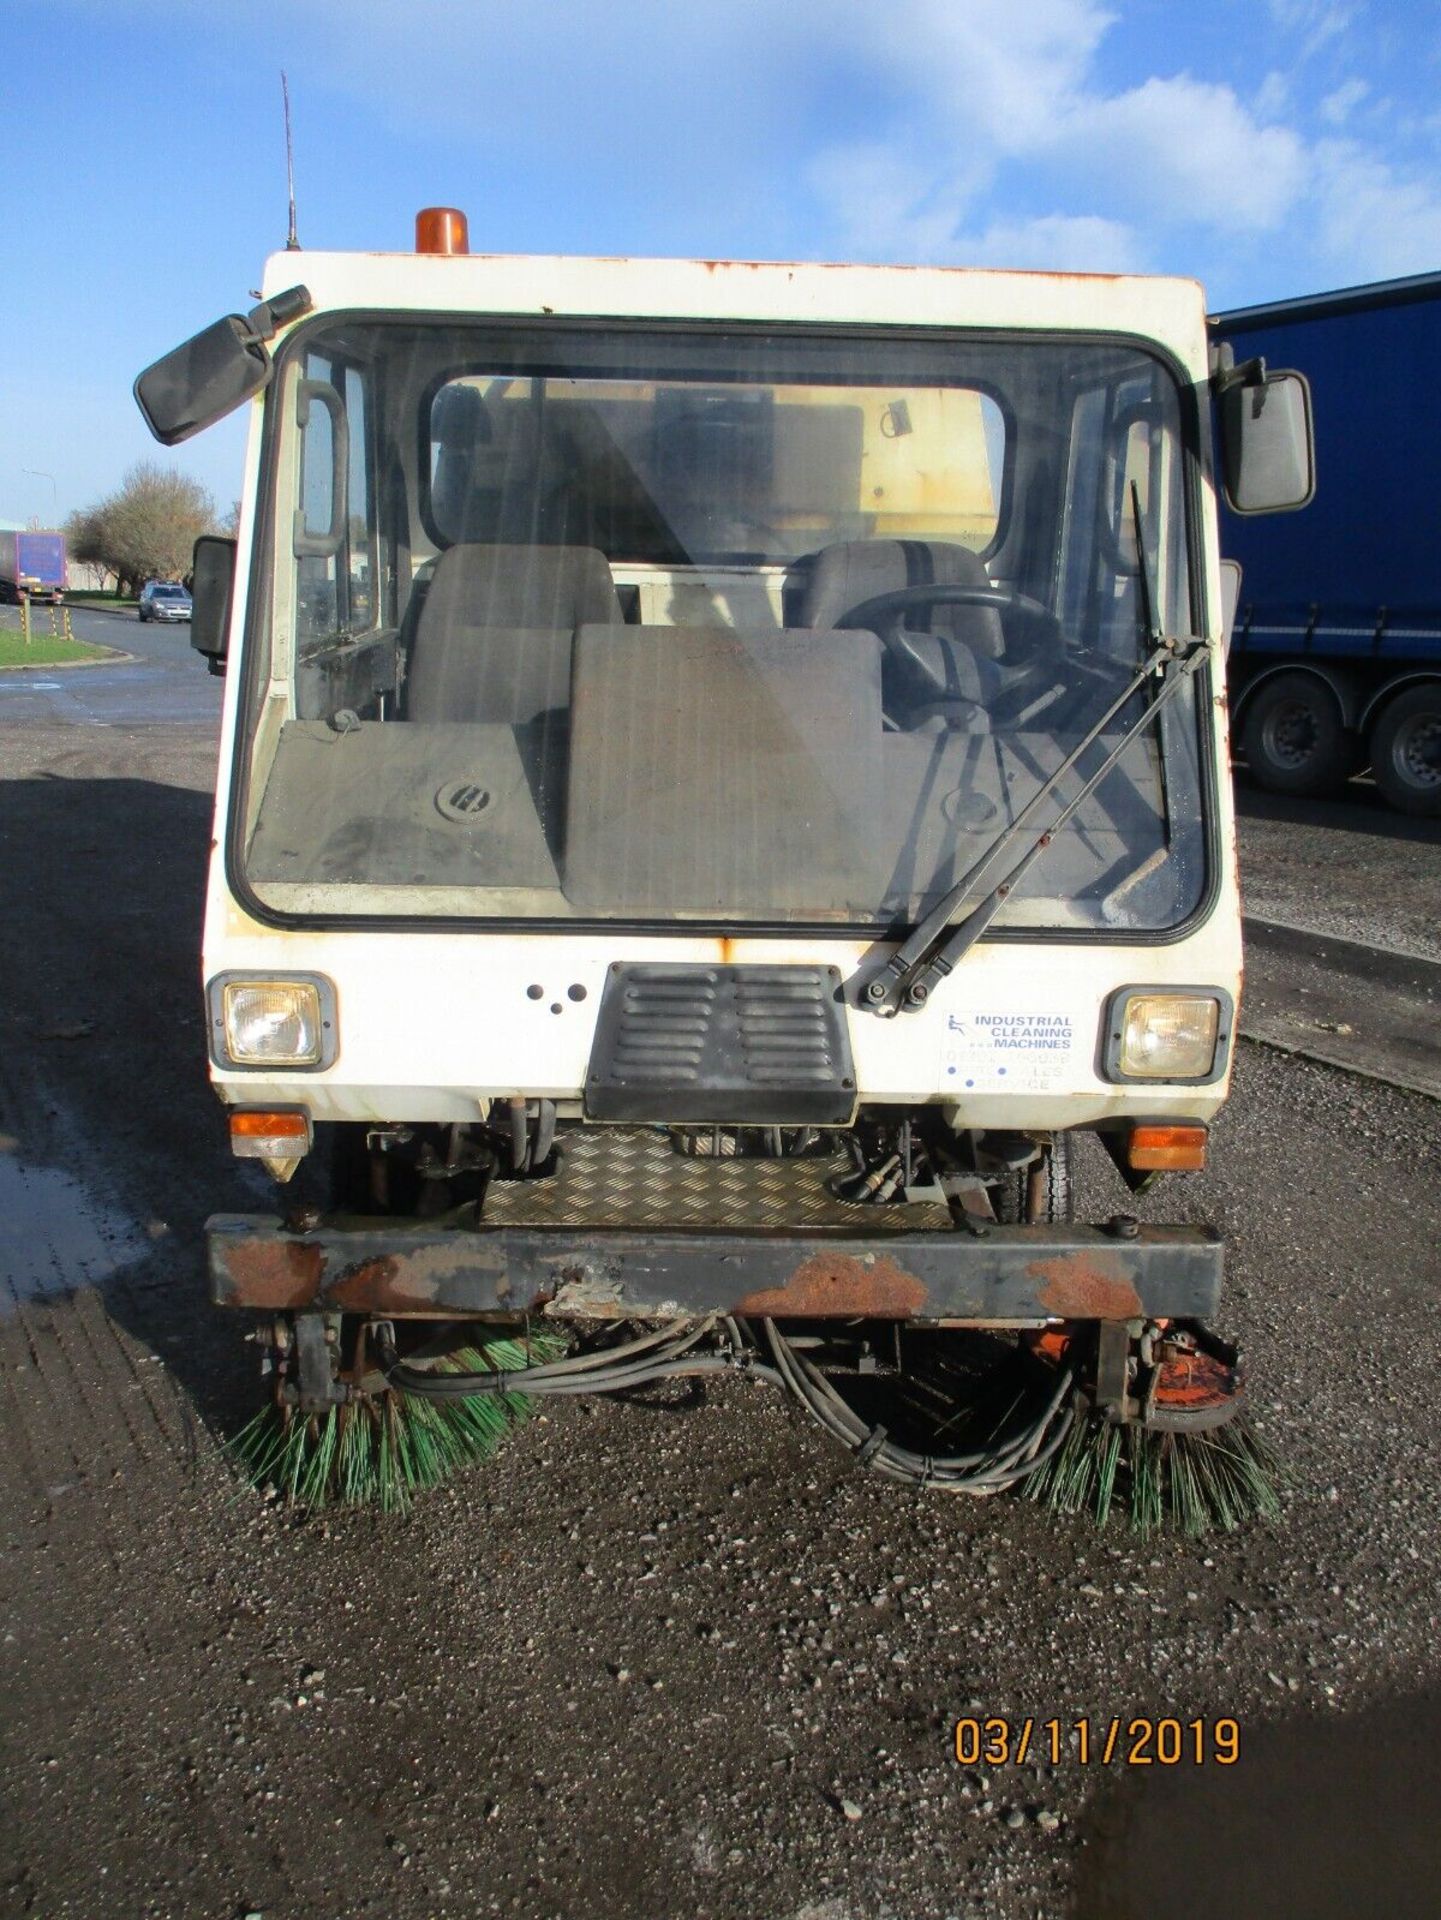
722 1046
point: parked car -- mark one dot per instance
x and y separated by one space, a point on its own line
164 600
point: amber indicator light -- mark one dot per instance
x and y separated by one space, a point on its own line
1167 1149
270 1126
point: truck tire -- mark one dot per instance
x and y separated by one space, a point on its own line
1406 750
1058 1206
1294 738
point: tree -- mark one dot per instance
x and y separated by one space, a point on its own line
85 541
146 528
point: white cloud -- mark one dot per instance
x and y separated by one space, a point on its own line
1273 98
885 205
995 72
1316 21
1059 243
1337 107
889 209
1003 103
919 129
1373 222
1189 152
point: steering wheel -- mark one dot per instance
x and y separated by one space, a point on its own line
927 657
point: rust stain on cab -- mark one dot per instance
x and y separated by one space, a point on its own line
839 1284
1086 1286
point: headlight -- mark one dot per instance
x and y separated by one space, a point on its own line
262 1022
1176 1036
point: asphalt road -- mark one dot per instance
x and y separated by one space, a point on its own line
1349 867
166 684
647 1665
1343 933
1354 1006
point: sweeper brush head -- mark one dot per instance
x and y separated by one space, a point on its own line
1217 1479
380 1449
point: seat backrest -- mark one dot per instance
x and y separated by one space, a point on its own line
854 571
493 635
724 771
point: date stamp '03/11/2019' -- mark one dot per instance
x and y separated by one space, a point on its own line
1144 1741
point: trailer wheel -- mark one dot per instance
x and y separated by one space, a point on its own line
1057 1196
1406 750
1294 738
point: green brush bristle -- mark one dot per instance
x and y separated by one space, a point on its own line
384 1448
1192 1482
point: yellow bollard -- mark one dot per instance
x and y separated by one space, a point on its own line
25 618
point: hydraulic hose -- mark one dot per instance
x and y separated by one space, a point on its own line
637 1363
988 1470
668 1356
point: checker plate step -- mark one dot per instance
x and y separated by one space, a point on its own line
635 1177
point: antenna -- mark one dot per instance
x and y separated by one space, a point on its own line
292 245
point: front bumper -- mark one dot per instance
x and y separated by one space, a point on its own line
1011 1275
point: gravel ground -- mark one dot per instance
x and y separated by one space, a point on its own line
1348 866
647 1665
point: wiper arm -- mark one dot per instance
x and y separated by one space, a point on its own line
925 956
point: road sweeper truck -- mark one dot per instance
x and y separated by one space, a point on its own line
723 780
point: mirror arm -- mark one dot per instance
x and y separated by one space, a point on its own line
266 320
1226 372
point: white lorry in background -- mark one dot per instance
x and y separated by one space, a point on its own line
723 779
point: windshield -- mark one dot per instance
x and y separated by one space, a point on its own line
170 593
752 627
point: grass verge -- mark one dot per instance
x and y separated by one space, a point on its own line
45 650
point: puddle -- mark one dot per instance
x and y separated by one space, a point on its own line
55 1236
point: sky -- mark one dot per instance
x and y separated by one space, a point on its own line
1269 148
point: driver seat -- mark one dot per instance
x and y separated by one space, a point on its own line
854 571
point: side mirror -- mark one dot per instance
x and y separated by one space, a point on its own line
201 381
1268 443
212 373
212 587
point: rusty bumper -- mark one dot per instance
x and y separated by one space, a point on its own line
1025 1275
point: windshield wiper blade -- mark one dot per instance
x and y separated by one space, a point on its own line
1143 569
927 955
